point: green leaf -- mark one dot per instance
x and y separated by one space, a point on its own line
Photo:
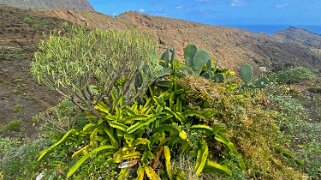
140 173
202 128
151 174
215 166
139 117
89 126
85 157
118 125
110 134
168 128
44 152
139 141
201 158
139 125
167 154
123 174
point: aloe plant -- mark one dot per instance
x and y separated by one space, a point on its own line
141 137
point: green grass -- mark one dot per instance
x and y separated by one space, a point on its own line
17 108
14 125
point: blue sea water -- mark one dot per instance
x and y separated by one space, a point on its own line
270 29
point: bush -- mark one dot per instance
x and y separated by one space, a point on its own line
294 75
86 66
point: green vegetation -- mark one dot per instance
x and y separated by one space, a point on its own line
294 75
300 122
14 125
11 54
37 23
16 108
127 114
246 73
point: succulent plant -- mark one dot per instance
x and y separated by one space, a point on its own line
246 73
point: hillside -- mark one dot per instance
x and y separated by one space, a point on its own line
82 5
300 36
230 45
21 30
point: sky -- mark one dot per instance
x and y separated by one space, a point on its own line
222 12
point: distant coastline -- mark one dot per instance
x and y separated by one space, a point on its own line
270 29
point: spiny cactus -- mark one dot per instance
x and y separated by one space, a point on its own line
189 53
200 59
195 58
246 72
219 78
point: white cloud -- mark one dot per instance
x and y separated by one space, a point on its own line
237 3
281 5
179 7
141 10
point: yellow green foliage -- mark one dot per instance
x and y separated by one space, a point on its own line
252 129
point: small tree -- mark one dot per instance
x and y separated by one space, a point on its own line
93 66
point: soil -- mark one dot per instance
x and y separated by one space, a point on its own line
21 97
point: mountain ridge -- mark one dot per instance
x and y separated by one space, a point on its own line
81 5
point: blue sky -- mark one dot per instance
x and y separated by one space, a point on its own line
222 12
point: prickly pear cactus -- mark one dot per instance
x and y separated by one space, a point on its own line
207 75
189 53
200 59
262 82
219 78
246 72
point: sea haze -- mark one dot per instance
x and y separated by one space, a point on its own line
270 29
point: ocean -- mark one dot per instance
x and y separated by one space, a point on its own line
270 29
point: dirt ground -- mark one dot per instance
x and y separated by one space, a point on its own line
21 97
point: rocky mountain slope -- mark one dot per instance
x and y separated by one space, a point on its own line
82 5
300 36
231 46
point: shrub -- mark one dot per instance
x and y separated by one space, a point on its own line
147 137
294 75
86 66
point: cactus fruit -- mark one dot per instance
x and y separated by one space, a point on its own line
246 72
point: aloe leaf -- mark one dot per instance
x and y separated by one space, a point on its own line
201 158
216 166
118 125
167 154
85 157
44 152
151 174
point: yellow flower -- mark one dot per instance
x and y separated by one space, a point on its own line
231 73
